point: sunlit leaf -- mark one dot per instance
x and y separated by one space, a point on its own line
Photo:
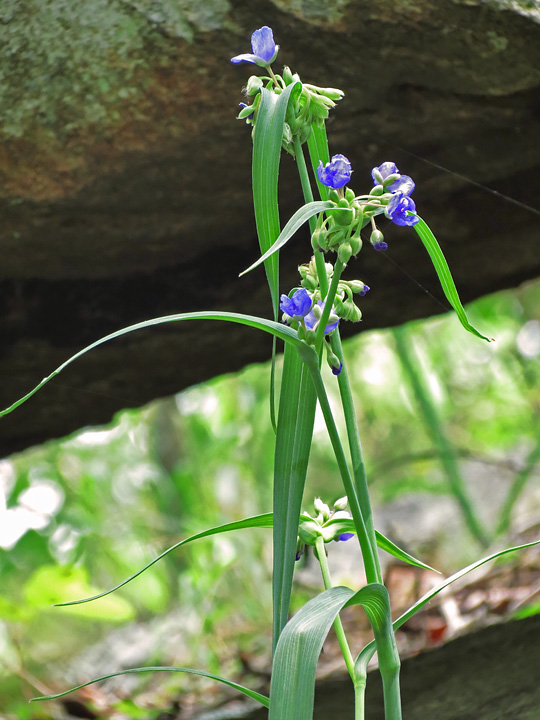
262 699
292 688
258 521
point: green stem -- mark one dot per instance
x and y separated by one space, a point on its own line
371 560
359 700
320 552
355 449
339 267
444 448
308 197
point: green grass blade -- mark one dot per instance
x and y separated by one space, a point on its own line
348 526
301 216
262 699
295 661
445 276
267 136
257 521
293 444
318 150
276 329
419 604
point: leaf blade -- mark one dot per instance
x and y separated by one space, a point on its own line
162 668
301 216
257 521
445 276
276 329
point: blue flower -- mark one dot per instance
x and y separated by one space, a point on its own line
397 210
336 173
345 536
380 246
263 46
404 185
298 306
312 320
338 369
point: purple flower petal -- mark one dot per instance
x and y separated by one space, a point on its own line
397 210
263 45
264 49
297 306
386 169
346 536
311 320
336 173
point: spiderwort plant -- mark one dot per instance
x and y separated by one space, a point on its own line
286 114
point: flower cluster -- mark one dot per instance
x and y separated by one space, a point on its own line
330 524
309 104
336 173
401 187
300 308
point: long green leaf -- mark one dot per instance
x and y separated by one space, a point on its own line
301 216
295 661
419 604
266 520
348 526
161 668
445 276
276 329
257 521
267 137
293 444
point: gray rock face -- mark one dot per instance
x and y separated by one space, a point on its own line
126 179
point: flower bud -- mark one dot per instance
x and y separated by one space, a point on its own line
334 363
344 252
341 503
352 312
376 237
376 190
357 286
334 196
322 508
331 93
356 244
377 176
309 531
391 179
349 195
254 84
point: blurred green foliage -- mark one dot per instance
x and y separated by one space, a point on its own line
82 514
